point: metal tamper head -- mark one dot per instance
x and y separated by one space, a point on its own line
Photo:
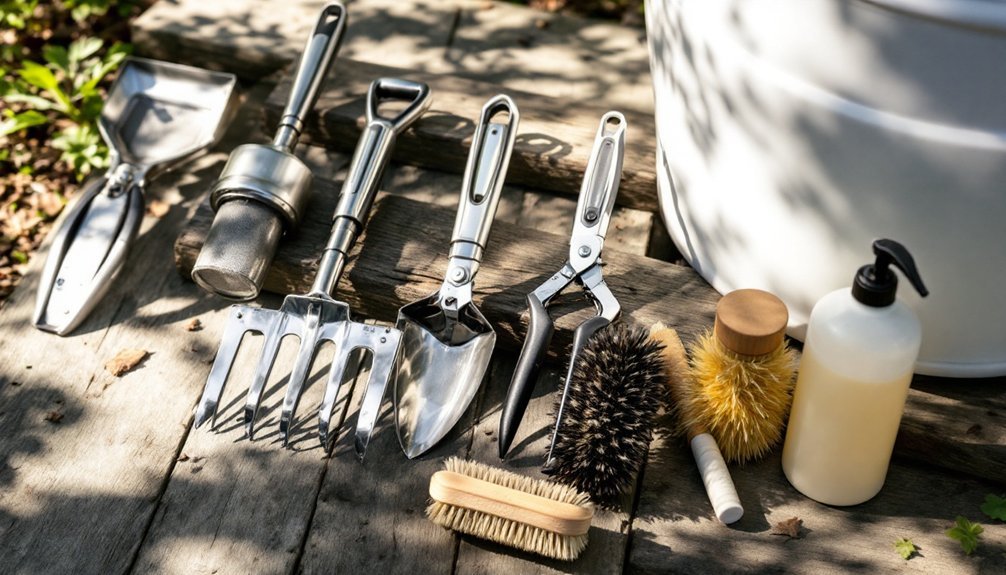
263 189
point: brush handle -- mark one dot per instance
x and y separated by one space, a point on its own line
465 492
716 477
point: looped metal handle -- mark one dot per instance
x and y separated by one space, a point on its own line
485 171
394 89
481 189
314 63
598 191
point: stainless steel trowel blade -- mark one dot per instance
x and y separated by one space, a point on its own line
437 380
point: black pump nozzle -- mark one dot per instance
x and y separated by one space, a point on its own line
876 284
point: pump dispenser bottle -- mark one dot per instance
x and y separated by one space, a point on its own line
857 364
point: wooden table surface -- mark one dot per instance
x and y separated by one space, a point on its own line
104 474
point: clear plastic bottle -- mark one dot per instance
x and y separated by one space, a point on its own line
857 364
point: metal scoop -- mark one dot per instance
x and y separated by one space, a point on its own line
315 317
156 115
446 341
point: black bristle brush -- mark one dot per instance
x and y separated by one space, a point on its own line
614 396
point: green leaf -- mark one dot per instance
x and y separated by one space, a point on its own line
19 256
905 548
57 56
83 48
995 507
966 533
34 102
112 60
38 75
21 121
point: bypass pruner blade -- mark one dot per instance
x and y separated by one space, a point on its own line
593 212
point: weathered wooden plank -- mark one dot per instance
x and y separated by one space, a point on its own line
577 59
552 147
370 514
402 255
83 454
403 252
253 39
675 532
608 541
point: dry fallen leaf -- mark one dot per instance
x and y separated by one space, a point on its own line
789 528
54 417
157 208
194 325
125 360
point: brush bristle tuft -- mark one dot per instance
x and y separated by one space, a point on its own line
741 402
615 394
506 531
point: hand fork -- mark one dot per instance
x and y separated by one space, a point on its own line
316 317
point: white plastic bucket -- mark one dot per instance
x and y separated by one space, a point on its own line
792 133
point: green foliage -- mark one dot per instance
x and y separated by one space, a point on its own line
68 83
13 122
82 10
65 86
17 13
966 533
995 507
905 548
82 149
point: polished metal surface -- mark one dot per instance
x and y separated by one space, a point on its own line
446 341
157 114
234 260
231 263
316 317
593 214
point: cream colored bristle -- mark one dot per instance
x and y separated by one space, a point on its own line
506 531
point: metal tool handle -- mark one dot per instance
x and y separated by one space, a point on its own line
598 191
481 189
364 178
314 63
532 353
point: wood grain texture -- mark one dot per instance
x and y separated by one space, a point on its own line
78 488
675 531
608 536
403 253
402 256
553 141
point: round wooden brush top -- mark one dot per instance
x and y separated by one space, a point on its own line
743 375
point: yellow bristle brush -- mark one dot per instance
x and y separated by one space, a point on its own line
713 469
743 374
535 515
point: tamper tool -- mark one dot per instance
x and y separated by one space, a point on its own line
263 189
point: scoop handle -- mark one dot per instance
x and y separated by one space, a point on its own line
482 187
314 63
716 478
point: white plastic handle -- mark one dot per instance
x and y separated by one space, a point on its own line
716 477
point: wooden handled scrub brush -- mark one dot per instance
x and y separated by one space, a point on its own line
713 469
743 374
534 515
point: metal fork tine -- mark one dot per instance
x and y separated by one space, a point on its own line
383 348
229 344
301 368
269 350
335 376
